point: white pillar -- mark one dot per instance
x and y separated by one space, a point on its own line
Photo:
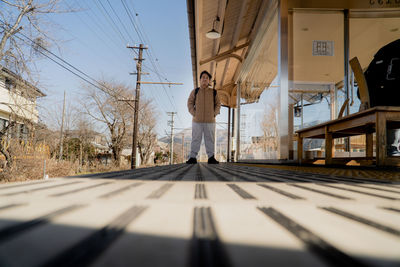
283 78
238 121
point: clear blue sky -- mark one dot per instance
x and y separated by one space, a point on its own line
96 44
93 44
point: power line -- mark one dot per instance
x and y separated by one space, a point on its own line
115 26
58 63
110 20
154 96
102 28
131 19
143 38
123 25
92 17
93 31
95 19
76 73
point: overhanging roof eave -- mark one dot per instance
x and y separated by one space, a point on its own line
192 36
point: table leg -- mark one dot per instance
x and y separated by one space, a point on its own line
380 139
369 146
299 148
328 147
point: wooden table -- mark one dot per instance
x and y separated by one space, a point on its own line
376 119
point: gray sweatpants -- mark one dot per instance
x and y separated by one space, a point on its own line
198 130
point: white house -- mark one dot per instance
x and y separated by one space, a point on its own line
17 99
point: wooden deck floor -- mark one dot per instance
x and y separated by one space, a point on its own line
201 215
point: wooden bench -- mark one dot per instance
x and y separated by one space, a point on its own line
376 119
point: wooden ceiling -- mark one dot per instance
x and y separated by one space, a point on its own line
247 50
239 22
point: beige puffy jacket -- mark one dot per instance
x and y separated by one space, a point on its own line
204 110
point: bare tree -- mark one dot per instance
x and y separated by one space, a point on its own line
53 117
47 138
177 153
107 107
24 35
269 126
86 135
147 137
24 30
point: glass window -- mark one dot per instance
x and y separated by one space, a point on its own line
259 136
8 84
318 65
3 124
24 132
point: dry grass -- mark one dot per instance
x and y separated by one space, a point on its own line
96 168
32 164
33 169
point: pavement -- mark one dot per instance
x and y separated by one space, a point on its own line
201 215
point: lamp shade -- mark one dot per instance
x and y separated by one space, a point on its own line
213 34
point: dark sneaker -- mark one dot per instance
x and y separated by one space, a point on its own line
393 151
191 161
212 160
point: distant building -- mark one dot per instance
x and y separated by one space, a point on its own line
97 140
18 99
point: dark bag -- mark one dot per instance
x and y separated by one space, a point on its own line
383 76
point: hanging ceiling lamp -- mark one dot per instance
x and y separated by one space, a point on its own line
213 34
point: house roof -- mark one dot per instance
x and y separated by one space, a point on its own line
10 74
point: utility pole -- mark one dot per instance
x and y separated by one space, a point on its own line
171 150
137 96
62 130
136 106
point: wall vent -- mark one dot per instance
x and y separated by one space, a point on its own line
323 48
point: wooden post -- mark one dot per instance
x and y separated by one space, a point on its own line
299 148
369 148
380 139
328 146
228 152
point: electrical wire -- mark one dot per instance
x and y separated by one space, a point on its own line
93 31
115 26
142 36
109 18
99 85
131 19
93 17
76 73
156 70
153 96
123 25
